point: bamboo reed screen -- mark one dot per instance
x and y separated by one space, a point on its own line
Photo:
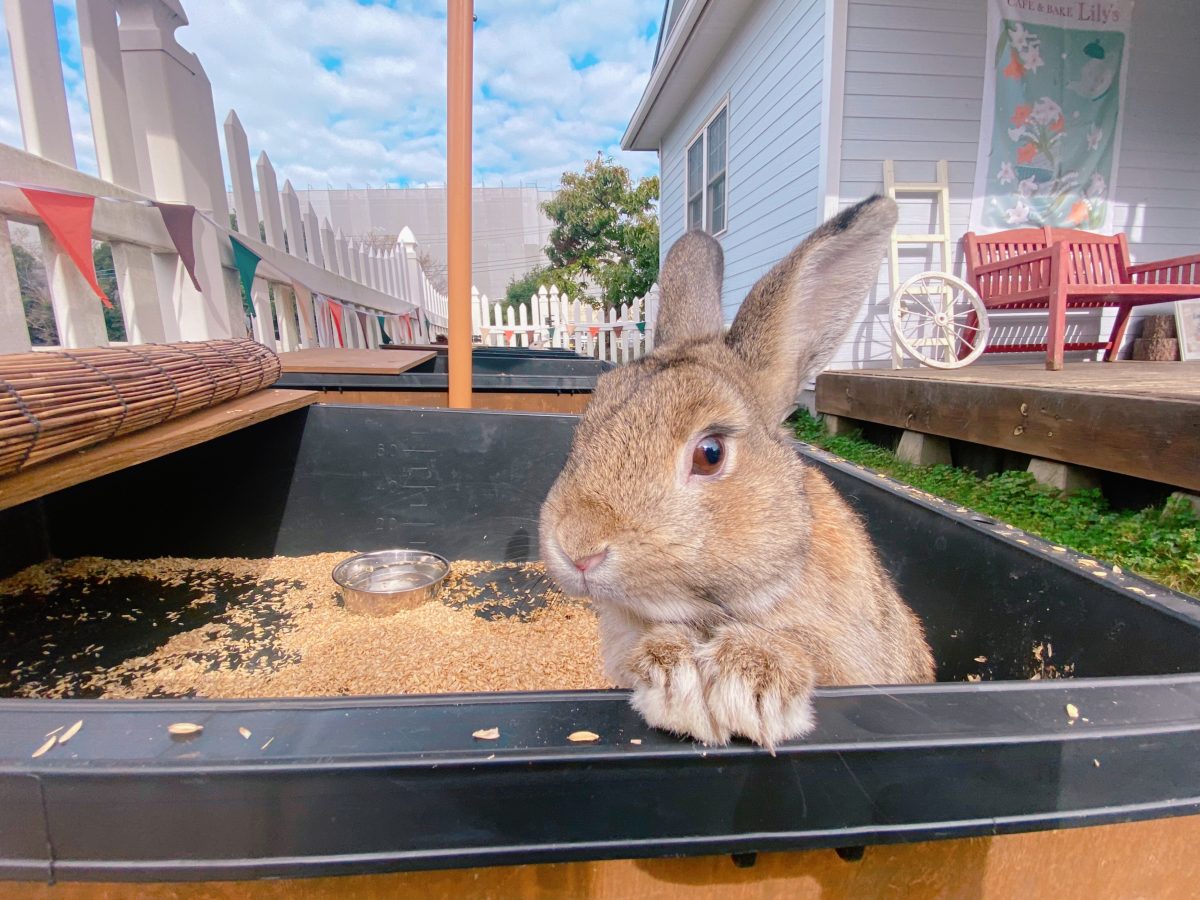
52 403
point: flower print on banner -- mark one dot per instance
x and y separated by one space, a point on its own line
1051 115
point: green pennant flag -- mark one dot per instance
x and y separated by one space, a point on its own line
552 330
641 327
386 338
246 261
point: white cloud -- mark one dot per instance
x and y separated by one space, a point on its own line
379 116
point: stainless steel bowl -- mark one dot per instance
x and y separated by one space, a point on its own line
387 581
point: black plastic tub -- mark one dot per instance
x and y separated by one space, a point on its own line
517 378
357 785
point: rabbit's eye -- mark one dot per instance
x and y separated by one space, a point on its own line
709 455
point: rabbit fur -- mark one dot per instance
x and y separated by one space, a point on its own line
724 600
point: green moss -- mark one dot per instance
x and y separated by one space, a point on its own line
1160 542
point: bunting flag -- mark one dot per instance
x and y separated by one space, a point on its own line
552 329
335 310
179 219
408 324
69 218
594 330
383 332
362 323
508 335
246 261
570 328
529 335
618 329
641 327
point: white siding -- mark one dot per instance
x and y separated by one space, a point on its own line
771 74
913 93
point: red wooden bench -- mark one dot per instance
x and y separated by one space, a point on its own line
1057 269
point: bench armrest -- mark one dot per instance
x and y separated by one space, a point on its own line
1180 270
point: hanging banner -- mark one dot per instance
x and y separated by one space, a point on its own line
362 323
246 261
179 218
69 218
1053 98
335 311
387 338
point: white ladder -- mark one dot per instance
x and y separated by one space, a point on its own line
940 188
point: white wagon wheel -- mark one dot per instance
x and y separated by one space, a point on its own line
935 316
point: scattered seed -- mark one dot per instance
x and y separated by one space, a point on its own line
70 732
267 744
486 734
981 659
1072 710
1116 570
46 746
55 731
583 736
635 741
1096 763
244 732
185 728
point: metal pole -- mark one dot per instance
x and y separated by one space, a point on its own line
460 38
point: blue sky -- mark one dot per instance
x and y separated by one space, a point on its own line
353 91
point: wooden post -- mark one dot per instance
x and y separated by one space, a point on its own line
460 39
14 332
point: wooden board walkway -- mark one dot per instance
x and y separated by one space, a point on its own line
1135 418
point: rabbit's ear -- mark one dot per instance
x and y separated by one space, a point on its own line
795 317
690 290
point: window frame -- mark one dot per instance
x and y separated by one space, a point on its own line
700 136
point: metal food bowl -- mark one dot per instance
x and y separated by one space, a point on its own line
387 581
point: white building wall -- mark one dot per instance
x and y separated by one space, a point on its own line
771 73
914 93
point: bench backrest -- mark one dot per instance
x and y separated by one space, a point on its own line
1092 258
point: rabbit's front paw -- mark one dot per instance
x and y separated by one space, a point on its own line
757 686
667 688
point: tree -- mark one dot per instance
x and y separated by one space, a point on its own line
35 295
521 288
605 230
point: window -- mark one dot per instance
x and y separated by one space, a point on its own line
706 163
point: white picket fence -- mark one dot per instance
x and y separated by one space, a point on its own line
155 134
551 319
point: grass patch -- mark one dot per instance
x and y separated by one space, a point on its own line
1160 542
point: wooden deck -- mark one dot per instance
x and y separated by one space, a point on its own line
1135 418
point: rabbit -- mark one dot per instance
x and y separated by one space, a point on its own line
728 575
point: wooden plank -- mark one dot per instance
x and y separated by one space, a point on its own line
123 452
1153 438
1154 858
1180 380
517 401
336 361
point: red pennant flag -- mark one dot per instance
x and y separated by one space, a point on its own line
594 330
336 311
508 334
69 218
408 327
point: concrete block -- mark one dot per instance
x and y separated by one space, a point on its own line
839 426
1064 477
1192 500
923 449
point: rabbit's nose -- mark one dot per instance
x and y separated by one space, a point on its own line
587 563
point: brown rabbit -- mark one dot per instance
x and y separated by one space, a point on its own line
729 576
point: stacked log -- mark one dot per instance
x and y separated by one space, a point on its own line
1158 342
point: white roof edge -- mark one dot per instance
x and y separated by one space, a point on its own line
680 33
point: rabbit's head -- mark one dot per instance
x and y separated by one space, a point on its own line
680 493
